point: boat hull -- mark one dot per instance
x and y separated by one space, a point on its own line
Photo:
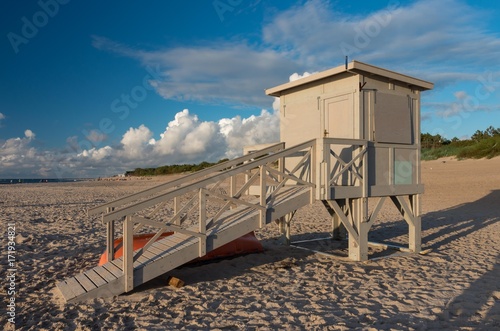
244 245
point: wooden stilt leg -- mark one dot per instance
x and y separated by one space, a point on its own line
281 225
288 221
338 229
415 229
358 250
128 252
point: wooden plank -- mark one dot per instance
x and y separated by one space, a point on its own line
148 254
155 251
105 274
66 290
140 261
85 282
111 267
95 278
163 246
165 264
160 254
169 242
75 286
178 237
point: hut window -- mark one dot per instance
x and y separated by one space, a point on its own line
393 122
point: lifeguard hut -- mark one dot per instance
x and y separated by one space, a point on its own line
348 134
366 122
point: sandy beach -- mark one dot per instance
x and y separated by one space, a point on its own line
455 286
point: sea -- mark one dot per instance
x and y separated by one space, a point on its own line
39 180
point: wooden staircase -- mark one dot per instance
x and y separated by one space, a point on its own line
282 193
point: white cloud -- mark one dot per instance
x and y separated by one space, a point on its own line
295 76
218 73
186 139
96 136
135 143
16 154
249 131
29 134
442 41
2 116
461 106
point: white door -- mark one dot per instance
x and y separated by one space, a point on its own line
339 116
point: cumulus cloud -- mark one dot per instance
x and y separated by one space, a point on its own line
136 142
254 130
189 139
16 154
295 76
186 139
2 116
29 134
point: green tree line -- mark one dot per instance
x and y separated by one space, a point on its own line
171 169
481 144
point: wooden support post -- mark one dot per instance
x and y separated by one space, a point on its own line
415 229
411 214
128 253
202 222
263 192
110 240
358 250
288 226
176 210
232 188
281 225
364 171
338 229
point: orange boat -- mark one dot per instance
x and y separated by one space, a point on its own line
244 245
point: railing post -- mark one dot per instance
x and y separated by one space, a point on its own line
325 167
263 192
128 253
176 210
202 222
232 187
110 237
364 175
312 170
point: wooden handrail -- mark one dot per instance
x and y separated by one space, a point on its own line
117 214
180 181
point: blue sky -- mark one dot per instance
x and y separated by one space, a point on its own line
96 88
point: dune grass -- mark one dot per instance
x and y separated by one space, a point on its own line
485 148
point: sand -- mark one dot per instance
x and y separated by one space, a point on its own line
455 286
